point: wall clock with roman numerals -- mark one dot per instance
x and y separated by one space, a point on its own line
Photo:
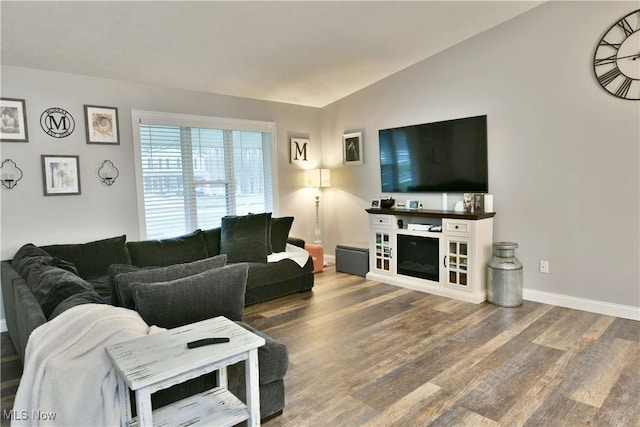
616 61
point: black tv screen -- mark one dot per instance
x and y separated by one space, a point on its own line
444 157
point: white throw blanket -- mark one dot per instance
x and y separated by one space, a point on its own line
68 378
292 252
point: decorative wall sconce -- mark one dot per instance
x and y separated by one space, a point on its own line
108 172
10 173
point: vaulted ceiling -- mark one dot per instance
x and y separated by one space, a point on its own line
304 52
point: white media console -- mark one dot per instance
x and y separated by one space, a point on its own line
440 252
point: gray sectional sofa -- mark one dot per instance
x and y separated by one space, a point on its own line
169 282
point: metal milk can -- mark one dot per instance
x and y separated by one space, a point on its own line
504 276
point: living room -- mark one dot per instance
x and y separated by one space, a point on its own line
563 153
561 192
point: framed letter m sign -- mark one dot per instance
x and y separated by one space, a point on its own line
299 150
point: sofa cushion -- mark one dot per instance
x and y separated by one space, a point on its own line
29 255
102 286
114 270
92 259
50 279
83 297
296 241
164 252
122 276
278 233
212 240
273 357
244 238
217 292
280 228
52 285
270 273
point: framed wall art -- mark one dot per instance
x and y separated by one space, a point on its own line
299 150
13 120
102 125
352 148
60 175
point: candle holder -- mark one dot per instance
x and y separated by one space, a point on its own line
108 172
10 173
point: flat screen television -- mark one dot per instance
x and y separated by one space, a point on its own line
442 157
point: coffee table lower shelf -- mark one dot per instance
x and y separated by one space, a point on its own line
217 406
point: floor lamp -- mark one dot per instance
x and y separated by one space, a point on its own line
317 178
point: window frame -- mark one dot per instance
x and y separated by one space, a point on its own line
195 121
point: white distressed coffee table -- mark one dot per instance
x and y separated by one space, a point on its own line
158 361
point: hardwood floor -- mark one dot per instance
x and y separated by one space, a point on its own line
10 372
365 353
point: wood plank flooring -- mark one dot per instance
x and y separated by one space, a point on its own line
367 354
10 372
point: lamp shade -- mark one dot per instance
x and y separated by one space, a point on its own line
317 178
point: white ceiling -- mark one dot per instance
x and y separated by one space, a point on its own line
304 52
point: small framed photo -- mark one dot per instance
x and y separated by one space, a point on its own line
352 148
102 125
13 120
478 203
468 202
60 175
375 203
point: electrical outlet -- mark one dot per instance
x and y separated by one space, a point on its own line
544 266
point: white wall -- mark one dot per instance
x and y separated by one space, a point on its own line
101 211
563 153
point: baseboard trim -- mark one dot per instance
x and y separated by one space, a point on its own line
593 306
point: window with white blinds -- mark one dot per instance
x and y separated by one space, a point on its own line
193 170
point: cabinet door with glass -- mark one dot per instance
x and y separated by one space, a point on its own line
382 253
457 263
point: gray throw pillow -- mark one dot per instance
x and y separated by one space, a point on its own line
245 238
218 292
122 281
84 297
212 240
280 228
165 252
92 259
